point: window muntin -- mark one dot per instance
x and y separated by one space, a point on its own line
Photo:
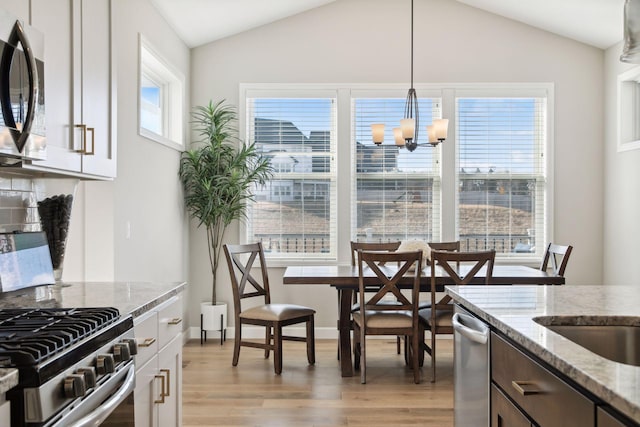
443 166
501 174
294 215
396 195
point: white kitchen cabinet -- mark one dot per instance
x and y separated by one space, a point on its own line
5 412
158 393
53 19
20 9
80 94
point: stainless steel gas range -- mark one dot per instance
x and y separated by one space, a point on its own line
75 366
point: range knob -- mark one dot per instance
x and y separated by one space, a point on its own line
74 386
133 345
89 373
121 352
105 364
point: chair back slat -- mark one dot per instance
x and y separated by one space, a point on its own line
389 279
240 272
558 257
370 246
445 246
477 260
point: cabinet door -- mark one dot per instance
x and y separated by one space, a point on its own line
606 419
53 18
504 413
95 98
170 363
146 393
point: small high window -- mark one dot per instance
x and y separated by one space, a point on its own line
161 99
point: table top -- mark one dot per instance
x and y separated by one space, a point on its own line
347 276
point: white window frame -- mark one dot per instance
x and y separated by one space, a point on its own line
448 158
628 112
248 91
502 90
154 67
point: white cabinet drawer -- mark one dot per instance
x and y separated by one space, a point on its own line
169 320
146 333
5 413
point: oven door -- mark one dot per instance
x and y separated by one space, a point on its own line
109 405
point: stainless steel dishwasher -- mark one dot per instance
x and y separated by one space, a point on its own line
471 369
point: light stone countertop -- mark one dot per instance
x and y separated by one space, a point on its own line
133 298
510 310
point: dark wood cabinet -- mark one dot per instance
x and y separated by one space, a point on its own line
606 418
504 413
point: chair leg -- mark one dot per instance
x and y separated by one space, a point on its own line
277 348
356 347
398 343
363 357
311 342
415 349
267 341
236 344
433 357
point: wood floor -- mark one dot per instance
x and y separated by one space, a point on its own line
250 394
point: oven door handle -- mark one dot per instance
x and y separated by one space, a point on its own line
101 413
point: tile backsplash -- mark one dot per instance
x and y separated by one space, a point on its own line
19 197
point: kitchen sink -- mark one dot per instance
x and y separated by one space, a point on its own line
614 338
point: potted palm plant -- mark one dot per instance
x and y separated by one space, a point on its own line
218 175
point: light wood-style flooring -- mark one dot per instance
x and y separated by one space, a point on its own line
250 394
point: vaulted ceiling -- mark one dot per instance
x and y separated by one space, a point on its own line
594 22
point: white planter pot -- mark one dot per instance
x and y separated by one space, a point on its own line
211 316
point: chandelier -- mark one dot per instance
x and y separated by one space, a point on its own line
407 134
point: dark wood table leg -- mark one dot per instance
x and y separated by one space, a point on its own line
344 330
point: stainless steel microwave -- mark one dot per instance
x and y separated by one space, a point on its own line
22 108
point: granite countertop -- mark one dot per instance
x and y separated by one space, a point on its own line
133 298
511 309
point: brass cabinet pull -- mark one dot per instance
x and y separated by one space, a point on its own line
175 321
147 342
526 388
83 148
93 142
168 372
162 385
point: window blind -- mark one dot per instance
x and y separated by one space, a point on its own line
396 193
501 174
294 215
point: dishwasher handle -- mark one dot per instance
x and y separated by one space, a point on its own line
471 328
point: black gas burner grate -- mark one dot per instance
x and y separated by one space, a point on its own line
30 336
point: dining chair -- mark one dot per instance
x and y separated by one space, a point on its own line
558 256
367 246
240 260
376 317
437 318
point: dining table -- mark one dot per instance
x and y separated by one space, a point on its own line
345 279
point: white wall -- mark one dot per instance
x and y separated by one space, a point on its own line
359 41
147 192
622 187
